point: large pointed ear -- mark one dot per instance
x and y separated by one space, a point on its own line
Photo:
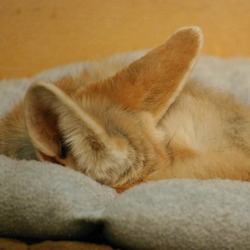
47 110
153 82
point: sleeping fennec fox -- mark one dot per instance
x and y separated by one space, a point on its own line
147 122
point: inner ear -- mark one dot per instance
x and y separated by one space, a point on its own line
52 116
42 121
153 82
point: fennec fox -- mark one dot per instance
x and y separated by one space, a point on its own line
145 123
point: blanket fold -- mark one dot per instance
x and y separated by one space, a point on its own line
181 214
46 201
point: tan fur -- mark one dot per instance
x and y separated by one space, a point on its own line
145 123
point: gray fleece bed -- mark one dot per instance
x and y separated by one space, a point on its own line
46 201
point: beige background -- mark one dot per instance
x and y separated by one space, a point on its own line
35 35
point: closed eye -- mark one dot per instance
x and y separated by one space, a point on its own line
63 149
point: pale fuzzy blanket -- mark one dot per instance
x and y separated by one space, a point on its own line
46 201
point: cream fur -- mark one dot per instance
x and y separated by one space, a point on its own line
147 122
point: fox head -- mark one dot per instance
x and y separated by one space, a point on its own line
108 130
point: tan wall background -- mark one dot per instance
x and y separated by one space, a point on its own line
35 35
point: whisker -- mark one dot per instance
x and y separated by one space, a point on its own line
167 145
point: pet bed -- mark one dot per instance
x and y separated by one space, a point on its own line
46 201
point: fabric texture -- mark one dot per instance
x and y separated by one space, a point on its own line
46 201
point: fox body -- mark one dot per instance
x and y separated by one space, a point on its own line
147 122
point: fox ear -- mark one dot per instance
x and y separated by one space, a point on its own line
49 111
153 82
